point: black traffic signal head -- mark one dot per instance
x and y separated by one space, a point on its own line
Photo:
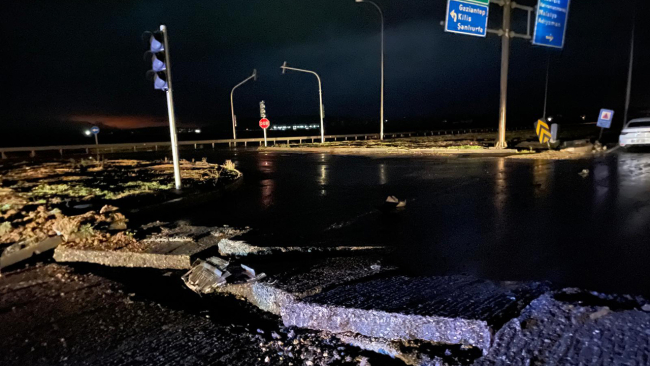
157 74
159 80
262 109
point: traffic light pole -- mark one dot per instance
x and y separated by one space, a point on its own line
170 111
232 105
284 67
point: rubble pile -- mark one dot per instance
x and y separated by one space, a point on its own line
72 201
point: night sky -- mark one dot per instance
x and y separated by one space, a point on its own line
83 61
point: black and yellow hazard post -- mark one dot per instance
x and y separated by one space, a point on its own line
543 132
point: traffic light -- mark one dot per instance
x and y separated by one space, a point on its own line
262 109
158 72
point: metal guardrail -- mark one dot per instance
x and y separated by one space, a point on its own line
154 146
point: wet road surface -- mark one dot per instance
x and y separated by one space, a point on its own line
495 218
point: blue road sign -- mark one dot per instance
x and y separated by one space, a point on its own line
467 18
551 22
605 118
95 130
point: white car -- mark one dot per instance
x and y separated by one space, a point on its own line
635 133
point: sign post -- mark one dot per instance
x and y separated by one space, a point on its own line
605 120
468 17
264 124
551 23
95 131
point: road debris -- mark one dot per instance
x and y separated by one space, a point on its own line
206 276
63 199
393 202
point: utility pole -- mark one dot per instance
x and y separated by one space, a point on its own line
628 94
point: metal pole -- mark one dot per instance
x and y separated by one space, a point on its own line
320 96
601 134
170 112
381 111
382 74
264 137
628 94
232 107
96 139
505 61
548 68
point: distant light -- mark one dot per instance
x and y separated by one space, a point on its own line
550 119
584 117
198 130
87 133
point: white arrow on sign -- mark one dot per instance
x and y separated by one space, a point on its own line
550 37
454 15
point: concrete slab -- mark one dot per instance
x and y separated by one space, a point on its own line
170 249
123 258
285 287
552 332
242 248
450 310
26 251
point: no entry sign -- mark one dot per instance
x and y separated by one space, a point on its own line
265 123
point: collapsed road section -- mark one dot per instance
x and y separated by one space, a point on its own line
353 294
438 320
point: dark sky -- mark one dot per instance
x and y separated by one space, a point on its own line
83 60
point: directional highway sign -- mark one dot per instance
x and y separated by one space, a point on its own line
605 118
467 17
551 22
543 131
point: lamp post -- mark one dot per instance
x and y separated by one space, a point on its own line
630 70
284 68
381 111
232 107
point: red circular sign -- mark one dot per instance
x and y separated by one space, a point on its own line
265 123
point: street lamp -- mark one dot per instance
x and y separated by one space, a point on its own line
284 68
381 112
232 108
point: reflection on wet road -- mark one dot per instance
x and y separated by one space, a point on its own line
490 217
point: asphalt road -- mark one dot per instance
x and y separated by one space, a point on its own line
494 218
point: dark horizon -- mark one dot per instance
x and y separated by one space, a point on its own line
77 62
